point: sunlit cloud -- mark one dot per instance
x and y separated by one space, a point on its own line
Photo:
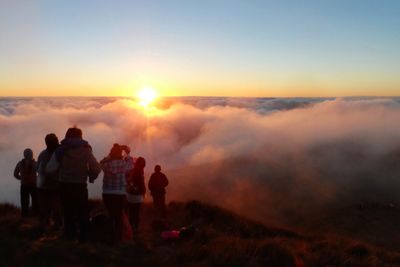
291 154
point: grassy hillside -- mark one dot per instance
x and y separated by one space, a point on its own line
222 239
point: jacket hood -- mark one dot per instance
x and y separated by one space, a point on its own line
74 142
70 143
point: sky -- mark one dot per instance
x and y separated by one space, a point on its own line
200 48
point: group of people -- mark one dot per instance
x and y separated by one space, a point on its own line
57 185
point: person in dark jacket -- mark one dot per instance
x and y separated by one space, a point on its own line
136 190
157 183
47 186
25 171
75 161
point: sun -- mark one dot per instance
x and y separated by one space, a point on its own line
146 96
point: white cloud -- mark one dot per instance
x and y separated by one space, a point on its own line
235 152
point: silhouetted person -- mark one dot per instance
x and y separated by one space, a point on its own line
136 190
157 183
115 168
76 163
25 171
47 185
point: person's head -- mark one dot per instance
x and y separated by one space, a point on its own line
116 152
28 154
51 141
140 163
157 168
73 132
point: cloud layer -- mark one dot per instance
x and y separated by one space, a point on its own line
271 159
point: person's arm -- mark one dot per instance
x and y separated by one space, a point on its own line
130 162
128 179
38 163
105 164
53 165
35 166
143 186
166 182
151 182
94 167
17 174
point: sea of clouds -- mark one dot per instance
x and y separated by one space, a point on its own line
273 159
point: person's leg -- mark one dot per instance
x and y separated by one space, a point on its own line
43 206
56 210
83 211
130 213
163 211
33 194
159 203
24 193
126 226
67 204
109 200
119 210
156 208
136 215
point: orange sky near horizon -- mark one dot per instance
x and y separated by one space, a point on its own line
233 88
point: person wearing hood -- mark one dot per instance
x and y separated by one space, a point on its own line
25 171
47 186
76 163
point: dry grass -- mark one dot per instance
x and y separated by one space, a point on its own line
222 239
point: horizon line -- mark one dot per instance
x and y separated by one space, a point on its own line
203 96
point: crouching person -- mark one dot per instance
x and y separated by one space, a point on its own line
115 168
75 161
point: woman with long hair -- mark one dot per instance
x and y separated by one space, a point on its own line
136 190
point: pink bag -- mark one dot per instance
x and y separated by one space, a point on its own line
173 234
127 232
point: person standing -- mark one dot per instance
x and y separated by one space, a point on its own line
47 186
157 183
136 190
25 171
75 161
115 168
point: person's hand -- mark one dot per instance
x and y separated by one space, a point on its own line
105 159
126 149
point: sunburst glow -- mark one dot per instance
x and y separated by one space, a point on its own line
146 96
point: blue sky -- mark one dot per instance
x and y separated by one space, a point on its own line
262 48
